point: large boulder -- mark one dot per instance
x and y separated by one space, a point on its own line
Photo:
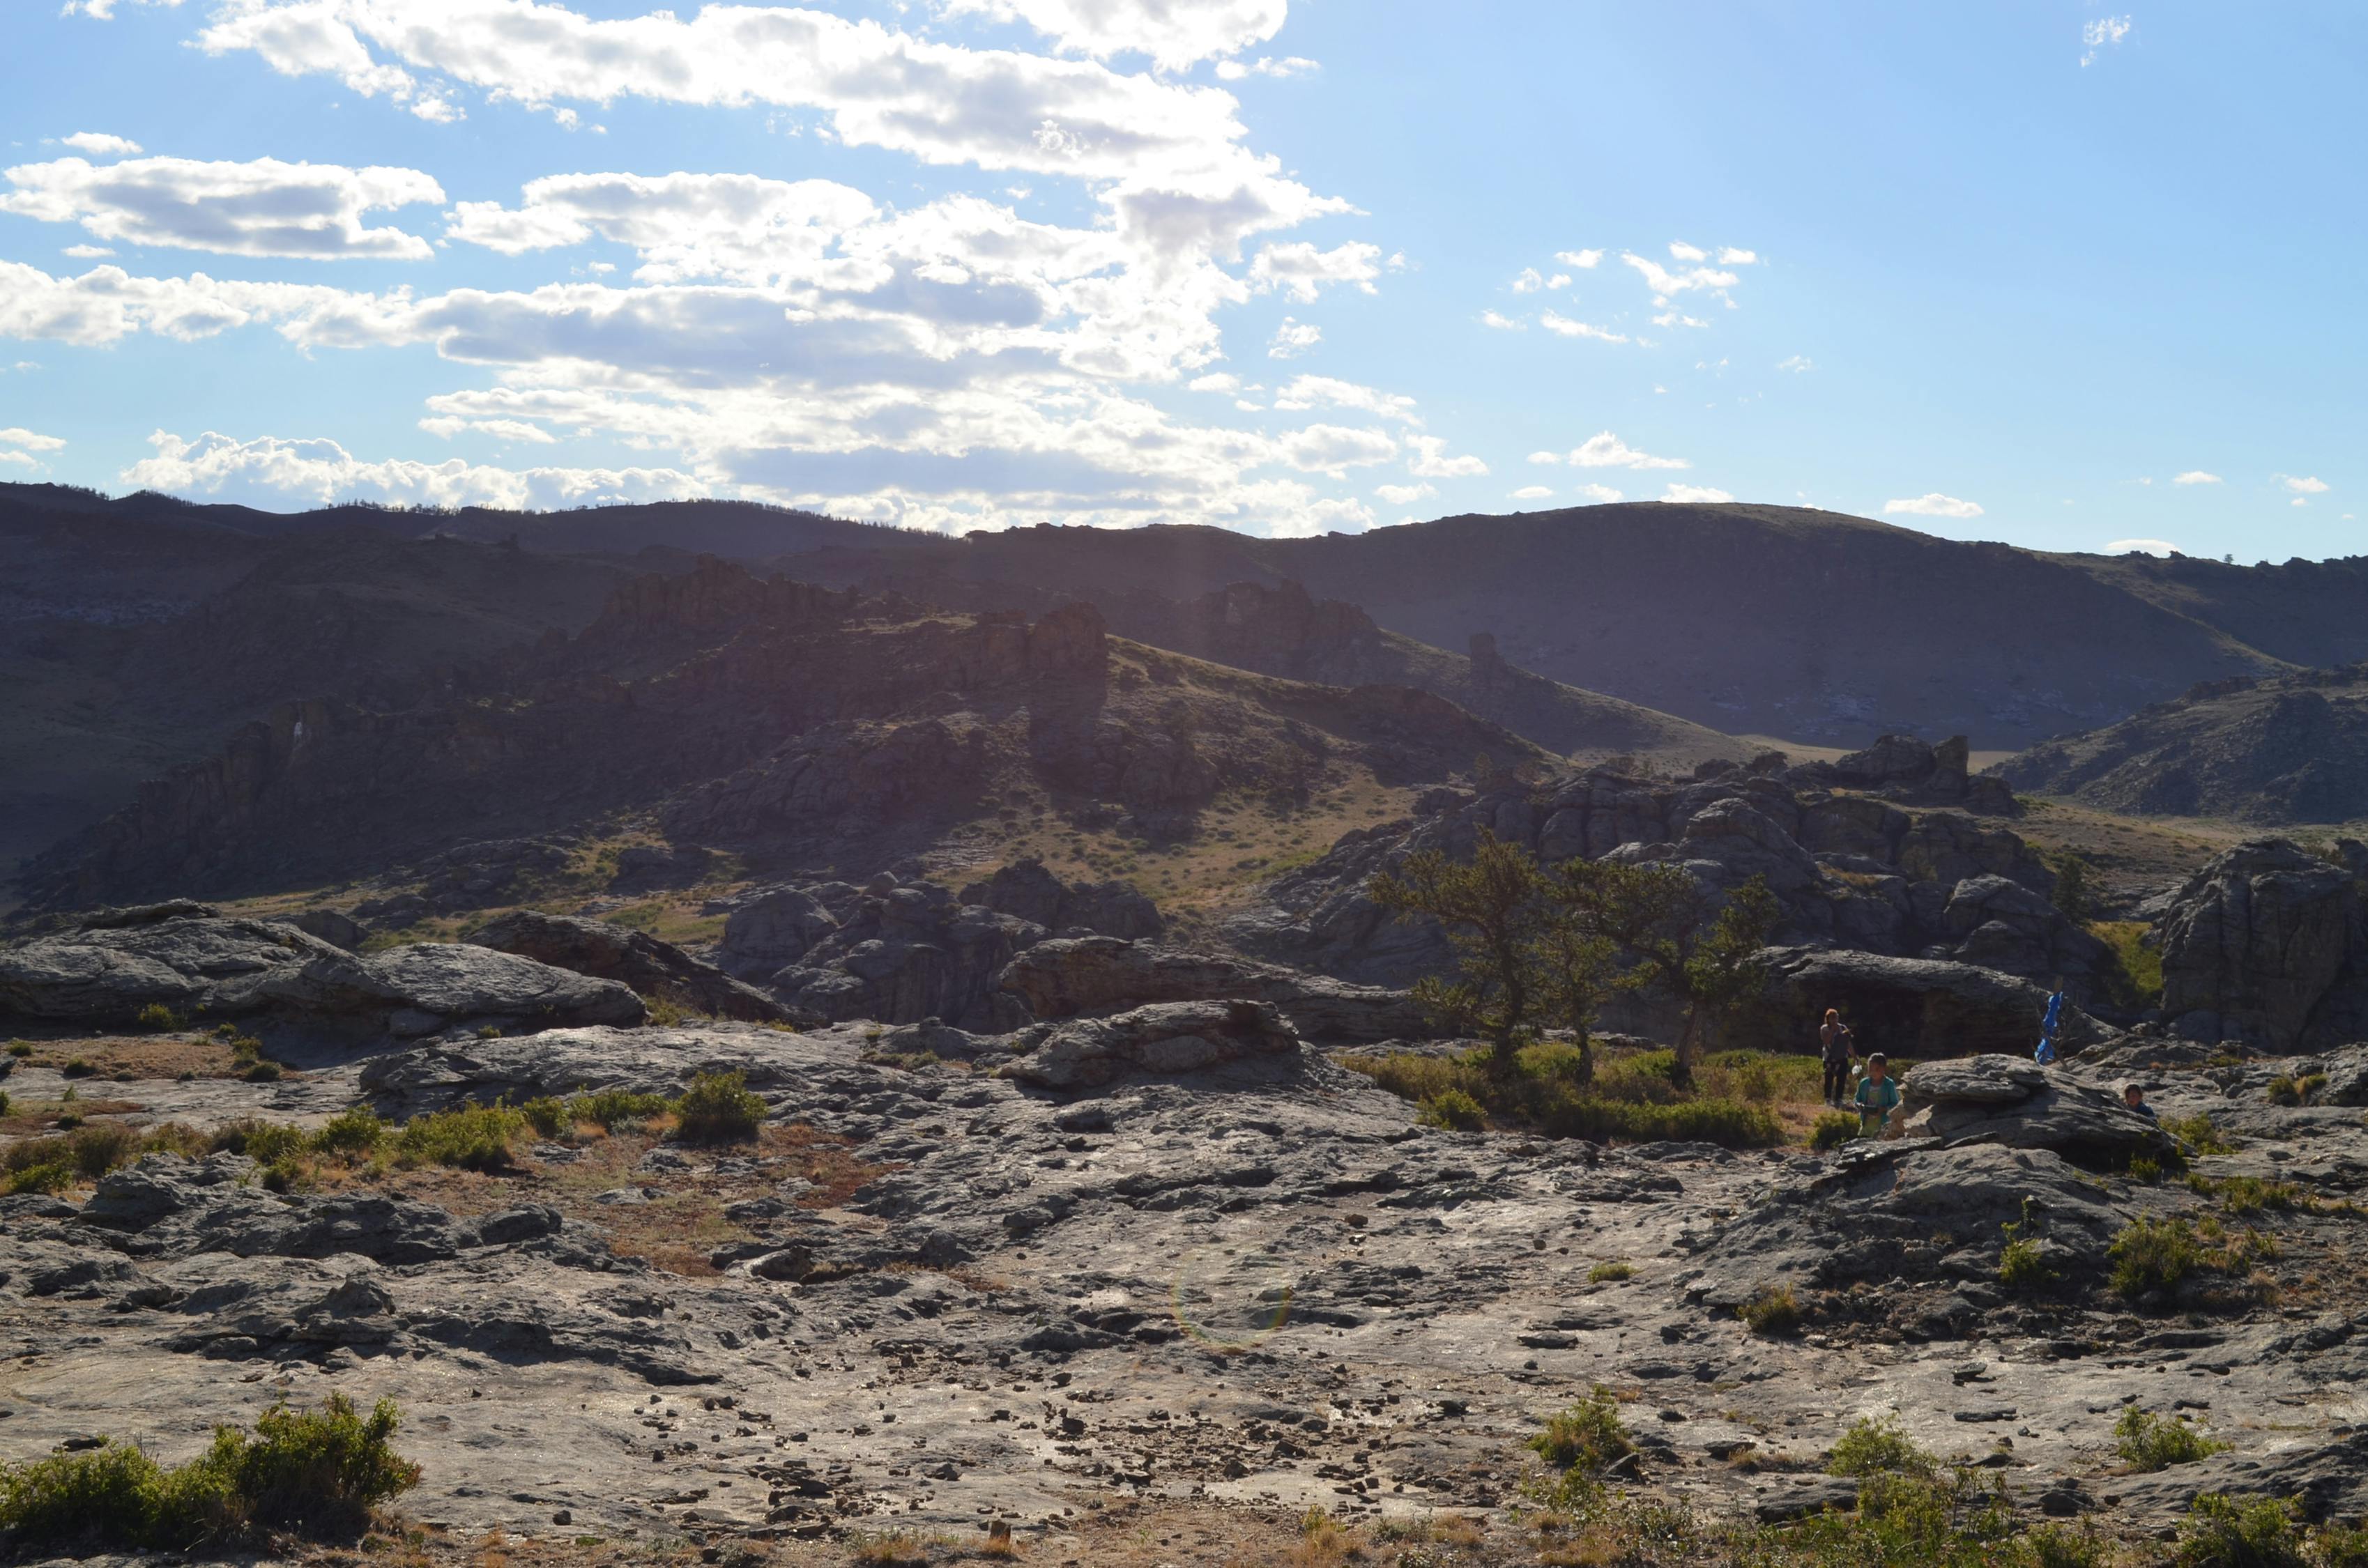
1924 1008
1164 1040
778 925
1070 976
1030 892
2014 1101
205 965
651 967
907 953
2267 947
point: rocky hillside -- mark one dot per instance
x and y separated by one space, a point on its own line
801 725
2286 749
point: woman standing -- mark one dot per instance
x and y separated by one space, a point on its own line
1834 1044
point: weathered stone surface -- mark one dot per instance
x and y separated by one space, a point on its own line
2267 946
203 965
635 958
1029 892
1064 978
1163 1040
2014 1101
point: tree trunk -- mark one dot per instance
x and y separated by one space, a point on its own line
1681 1070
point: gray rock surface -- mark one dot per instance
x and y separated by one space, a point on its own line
2267 947
1029 892
2013 1101
635 958
1916 1007
1165 1038
1069 976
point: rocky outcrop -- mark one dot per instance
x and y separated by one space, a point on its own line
1065 978
204 966
1163 1040
1923 1008
903 953
1026 890
2013 1101
653 968
2267 947
1901 767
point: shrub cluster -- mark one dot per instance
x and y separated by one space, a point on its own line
314 1472
2159 1254
2147 1443
1553 1091
719 1108
1587 1436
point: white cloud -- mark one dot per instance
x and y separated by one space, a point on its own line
1698 494
1293 338
2304 484
2300 501
1502 323
1664 283
1289 65
2141 547
1559 280
2101 35
448 426
1405 495
1605 450
1300 270
1731 257
1533 493
1555 322
2195 476
100 145
1546 457
88 253
1529 282
1323 392
1578 258
1797 364
1216 381
263 207
103 10
1680 251
17 435
1174 36
1601 493
1430 460
1677 318
1934 504
321 472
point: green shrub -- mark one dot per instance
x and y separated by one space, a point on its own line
20 1048
262 1073
99 1147
2154 1254
311 1472
1453 1109
2197 1134
78 1067
2059 1546
2284 1090
51 1177
545 1115
2021 1267
156 1016
3 1102
352 1134
2251 1195
1773 1312
1878 1446
1603 1272
607 1107
1630 1099
1586 1437
719 1109
2146 1169
244 1049
2221 1532
2132 977
2147 1443
470 1138
262 1141
1834 1129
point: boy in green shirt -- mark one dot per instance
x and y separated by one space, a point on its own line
1877 1097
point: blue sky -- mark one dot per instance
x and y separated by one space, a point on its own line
2009 271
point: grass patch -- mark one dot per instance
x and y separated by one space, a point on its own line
1834 1129
2135 979
2147 1442
1587 1436
2197 1135
1878 1445
1453 1110
158 1017
1629 1098
2222 1532
1604 1273
719 1108
316 1474
610 1108
470 1138
1774 1311
2152 1256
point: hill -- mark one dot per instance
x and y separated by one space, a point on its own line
2291 748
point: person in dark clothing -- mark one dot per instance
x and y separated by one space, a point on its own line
2134 1096
1834 1043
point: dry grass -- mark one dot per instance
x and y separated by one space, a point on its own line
124 1058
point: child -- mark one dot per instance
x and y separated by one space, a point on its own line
2134 1096
1877 1097
1834 1045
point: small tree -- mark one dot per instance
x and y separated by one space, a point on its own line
1593 906
1493 914
2072 894
1662 924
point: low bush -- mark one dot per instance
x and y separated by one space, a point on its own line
1586 1437
1604 1272
352 1134
2221 1532
719 1109
607 1108
262 1141
1453 1109
1878 1445
1629 1099
545 1115
156 1016
2159 1254
78 1067
2197 1134
470 1138
2022 1266
316 1474
20 1048
49 1177
1834 1129
263 1072
1773 1312
2147 1443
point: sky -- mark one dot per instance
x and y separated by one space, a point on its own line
2068 276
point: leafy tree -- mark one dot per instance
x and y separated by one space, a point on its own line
1662 923
1493 914
2072 894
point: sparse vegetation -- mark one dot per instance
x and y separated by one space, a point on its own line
315 1473
2222 1532
1453 1109
1878 1445
2151 1256
611 1108
1586 1438
2147 1442
470 1138
2198 1135
1774 1311
158 1018
1632 1100
1604 1273
1834 1129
